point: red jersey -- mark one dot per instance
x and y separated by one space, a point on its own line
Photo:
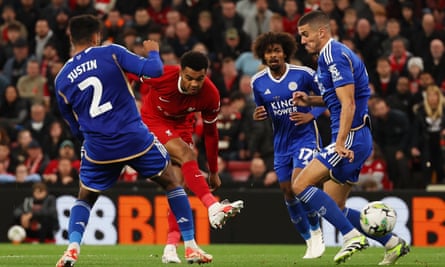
169 113
165 99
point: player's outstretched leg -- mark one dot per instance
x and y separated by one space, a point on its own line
221 212
395 246
350 246
392 254
354 241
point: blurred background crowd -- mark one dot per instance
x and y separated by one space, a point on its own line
400 41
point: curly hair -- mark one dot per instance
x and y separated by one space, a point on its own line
264 41
195 60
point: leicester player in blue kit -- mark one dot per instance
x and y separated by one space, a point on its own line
294 129
343 83
94 97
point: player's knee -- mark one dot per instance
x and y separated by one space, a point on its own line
184 155
297 187
168 180
287 191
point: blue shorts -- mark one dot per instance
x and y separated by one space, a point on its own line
99 177
285 164
341 170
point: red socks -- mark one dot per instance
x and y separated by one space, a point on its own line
196 182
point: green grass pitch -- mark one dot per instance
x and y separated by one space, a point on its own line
224 255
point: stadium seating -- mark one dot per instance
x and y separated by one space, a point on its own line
239 169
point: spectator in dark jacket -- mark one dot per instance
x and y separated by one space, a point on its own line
38 215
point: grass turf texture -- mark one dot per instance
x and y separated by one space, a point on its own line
224 255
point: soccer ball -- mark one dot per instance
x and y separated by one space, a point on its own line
16 234
377 218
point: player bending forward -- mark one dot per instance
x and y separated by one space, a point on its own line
168 110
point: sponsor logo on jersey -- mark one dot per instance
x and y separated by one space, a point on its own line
335 74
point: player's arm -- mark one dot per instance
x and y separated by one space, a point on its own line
68 115
301 98
211 138
260 112
210 132
345 95
151 66
317 111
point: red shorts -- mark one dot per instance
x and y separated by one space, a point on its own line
166 130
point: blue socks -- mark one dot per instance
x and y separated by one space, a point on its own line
180 206
314 219
319 201
177 199
80 213
354 217
298 217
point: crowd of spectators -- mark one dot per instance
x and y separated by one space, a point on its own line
400 41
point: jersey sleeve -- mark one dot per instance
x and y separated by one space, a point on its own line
211 96
151 66
211 138
209 116
340 69
256 95
313 85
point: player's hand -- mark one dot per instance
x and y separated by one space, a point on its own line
344 152
25 220
150 45
301 117
300 99
214 181
260 113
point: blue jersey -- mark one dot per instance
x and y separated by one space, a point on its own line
96 100
276 96
339 66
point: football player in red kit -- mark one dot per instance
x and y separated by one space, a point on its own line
168 110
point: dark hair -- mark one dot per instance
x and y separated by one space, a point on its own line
194 60
41 186
264 41
314 17
14 26
82 27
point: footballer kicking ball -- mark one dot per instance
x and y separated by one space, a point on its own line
16 234
377 218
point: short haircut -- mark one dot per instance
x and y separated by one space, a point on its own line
194 60
41 186
314 19
264 41
82 27
14 26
